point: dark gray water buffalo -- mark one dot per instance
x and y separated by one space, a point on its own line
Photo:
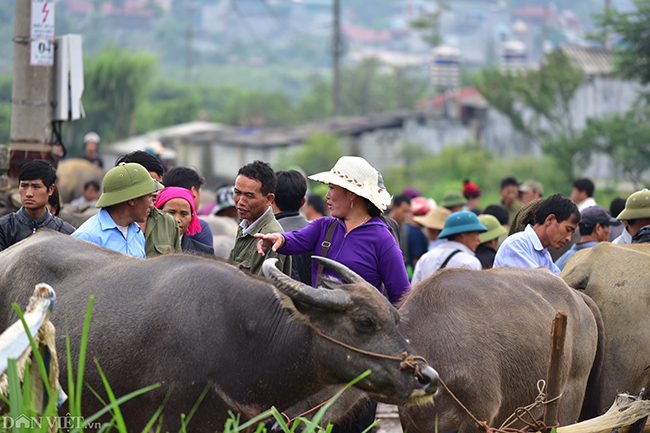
616 278
488 335
188 322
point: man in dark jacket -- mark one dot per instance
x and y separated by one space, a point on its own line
289 198
487 249
36 185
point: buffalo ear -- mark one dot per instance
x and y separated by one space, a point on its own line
296 309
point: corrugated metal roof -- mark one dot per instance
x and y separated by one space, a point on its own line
592 60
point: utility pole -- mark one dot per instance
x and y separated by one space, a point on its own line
608 4
336 53
31 100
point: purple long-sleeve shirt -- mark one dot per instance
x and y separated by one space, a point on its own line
369 250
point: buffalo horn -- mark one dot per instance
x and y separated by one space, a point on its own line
321 298
346 273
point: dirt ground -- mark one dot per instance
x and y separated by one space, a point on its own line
389 419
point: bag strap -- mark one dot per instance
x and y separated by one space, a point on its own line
326 247
444 264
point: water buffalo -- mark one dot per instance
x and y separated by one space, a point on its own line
187 322
616 278
488 334
73 174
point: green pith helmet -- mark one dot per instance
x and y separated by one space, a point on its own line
495 229
126 182
637 206
452 199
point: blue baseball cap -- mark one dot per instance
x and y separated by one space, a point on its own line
461 222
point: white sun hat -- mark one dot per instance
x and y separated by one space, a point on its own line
356 175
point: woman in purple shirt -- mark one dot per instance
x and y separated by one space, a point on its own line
361 240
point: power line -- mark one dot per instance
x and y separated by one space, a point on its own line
282 24
251 32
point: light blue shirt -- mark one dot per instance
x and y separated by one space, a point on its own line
100 229
524 250
571 251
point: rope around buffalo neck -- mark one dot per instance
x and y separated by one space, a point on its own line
407 362
535 425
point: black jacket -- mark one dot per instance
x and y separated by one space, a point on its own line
300 263
485 255
190 244
16 226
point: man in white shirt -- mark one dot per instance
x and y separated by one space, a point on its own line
582 194
636 214
462 231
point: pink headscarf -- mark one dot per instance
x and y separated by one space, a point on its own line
177 192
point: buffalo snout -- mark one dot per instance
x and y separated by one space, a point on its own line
429 378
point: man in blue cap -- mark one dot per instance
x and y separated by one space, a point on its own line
594 228
462 233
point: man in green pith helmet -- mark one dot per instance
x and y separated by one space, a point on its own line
127 199
636 214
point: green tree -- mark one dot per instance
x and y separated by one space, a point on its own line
319 153
538 105
253 108
115 83
167 104
633 54
5 109
626 138
428 25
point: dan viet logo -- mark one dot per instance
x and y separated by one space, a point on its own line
34 422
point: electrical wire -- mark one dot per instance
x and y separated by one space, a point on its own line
251 32
283 26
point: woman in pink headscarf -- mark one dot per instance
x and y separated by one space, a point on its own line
179 203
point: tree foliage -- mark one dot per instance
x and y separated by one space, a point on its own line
428 25
538 104
319 153
633 54
434 175
115 82
5 109
167 103
626 138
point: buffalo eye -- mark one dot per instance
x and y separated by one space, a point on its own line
365 325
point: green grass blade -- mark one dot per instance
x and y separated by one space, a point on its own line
187 419
72 402
15 393
117 414
117 402
316 420
156 416
82 355
259 418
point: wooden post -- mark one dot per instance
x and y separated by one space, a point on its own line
554 376
639 425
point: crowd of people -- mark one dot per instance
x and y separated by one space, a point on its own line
392 242
147 209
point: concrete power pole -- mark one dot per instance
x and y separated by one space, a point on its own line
336 54
31 101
